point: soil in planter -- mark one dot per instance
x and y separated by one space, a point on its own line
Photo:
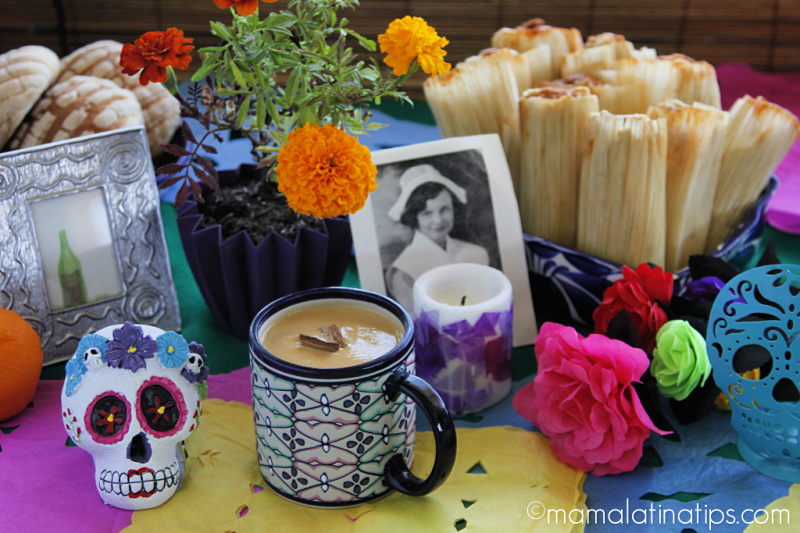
253 204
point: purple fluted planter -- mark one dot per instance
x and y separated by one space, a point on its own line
237 278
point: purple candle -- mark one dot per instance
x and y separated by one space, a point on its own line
463 322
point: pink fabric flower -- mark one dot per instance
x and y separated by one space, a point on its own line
583 399
638 293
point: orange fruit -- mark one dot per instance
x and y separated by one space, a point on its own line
20 363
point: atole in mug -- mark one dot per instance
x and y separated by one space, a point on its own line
344 436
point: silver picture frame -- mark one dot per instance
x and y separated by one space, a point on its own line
98 192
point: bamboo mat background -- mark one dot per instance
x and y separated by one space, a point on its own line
762 33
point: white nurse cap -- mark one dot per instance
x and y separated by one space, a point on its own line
418 175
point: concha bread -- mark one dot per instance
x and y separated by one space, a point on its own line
81 105
25 74
160 109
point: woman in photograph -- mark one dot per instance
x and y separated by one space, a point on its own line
428 204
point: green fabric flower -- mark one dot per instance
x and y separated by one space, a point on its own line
680 362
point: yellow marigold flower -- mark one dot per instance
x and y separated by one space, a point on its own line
411 38
324 172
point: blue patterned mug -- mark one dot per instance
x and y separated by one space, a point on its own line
339 437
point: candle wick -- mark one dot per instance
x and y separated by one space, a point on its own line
464 299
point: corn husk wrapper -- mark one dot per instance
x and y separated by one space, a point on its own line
621 206
479 96
535 33
532 67
759 136
512 148
697 81
695 139
616 99
475 97
600 53
667 77
553 130
645 53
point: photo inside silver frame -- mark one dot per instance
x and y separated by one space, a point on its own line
76 248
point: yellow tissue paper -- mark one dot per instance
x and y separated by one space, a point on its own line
781 515
222 487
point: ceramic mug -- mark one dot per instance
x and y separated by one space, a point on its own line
344 436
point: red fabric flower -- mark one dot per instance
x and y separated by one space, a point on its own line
153 52
638 293
244 8
583 399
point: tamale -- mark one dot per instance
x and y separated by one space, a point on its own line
553 130
695 138
536 32
668 77
599 53
759 136
621 202
616 99
532 67
475 97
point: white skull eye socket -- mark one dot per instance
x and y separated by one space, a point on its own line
108 418
162 409
195 361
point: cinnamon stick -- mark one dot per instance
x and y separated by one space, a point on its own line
333 334
318 344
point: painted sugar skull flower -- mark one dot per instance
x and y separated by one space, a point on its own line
75 371
172 349
154 53
290 74
130 347
584 400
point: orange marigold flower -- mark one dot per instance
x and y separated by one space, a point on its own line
153 52
325 172
411 38
245 8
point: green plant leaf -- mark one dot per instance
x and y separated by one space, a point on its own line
222 31
281 20
272 110
261 113
244 112
237 74
292 84
205 70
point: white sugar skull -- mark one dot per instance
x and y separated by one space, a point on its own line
130 400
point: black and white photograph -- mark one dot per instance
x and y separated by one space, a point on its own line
440 203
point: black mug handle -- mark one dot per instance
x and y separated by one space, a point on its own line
396 473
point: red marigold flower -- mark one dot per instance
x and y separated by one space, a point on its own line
583 399
638 292
153 52
244 8
324 172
